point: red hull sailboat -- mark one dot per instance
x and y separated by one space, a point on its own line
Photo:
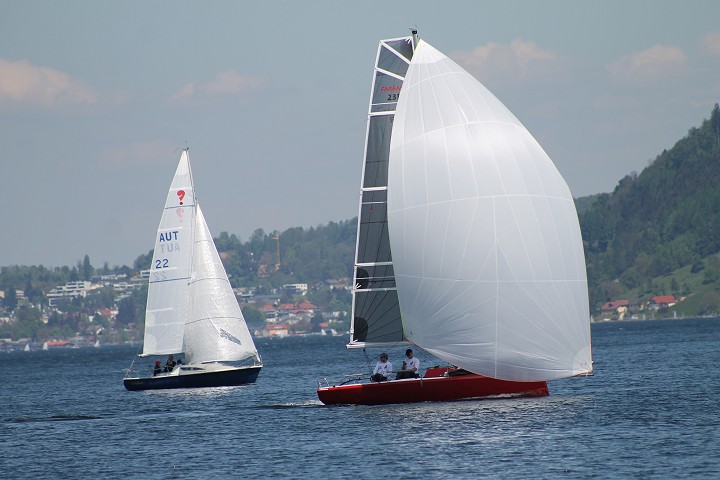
468 242
437 385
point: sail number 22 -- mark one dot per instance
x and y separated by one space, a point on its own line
167 243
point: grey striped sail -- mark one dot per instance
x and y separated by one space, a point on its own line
376 316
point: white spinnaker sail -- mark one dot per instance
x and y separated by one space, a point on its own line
485 237
170 270
215 329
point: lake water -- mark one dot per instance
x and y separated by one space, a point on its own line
650 411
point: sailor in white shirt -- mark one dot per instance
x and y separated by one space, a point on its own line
382 369
410 366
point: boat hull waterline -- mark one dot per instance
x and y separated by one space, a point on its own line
433 389
222 378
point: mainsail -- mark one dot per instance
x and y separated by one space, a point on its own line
375 313
487 252
167 301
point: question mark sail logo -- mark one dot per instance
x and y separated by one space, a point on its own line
181 195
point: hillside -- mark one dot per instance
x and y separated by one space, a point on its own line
657 223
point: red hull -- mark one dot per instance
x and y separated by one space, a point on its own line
428 389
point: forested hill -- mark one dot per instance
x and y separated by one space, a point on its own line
296 255
658 222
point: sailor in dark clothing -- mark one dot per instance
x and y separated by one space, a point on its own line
170 364
158 368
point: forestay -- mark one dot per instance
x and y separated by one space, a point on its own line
486 244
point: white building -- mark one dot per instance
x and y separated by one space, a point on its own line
71 290
296 288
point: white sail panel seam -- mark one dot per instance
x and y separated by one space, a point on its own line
231 317
169 280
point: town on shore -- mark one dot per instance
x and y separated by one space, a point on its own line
108 309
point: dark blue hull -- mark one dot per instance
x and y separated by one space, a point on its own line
223 378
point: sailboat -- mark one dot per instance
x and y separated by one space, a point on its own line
468 242
45 346
191 308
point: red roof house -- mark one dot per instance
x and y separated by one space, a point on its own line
663 301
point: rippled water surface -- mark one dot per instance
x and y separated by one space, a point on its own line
650 411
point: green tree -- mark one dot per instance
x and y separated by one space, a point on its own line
87 269
315 322
127 311
142 262
28 322
10 299
253 316
712 270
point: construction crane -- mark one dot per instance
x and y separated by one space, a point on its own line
277 240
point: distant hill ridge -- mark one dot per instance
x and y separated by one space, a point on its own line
659 221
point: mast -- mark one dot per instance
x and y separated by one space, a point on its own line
376 318
415 38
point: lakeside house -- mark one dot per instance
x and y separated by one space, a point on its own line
618 309
662 302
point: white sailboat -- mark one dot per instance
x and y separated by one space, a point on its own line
468 243
45 346
191 308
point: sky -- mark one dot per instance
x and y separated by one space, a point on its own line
97 99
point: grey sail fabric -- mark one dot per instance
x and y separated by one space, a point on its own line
215 329
375 313
485 239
